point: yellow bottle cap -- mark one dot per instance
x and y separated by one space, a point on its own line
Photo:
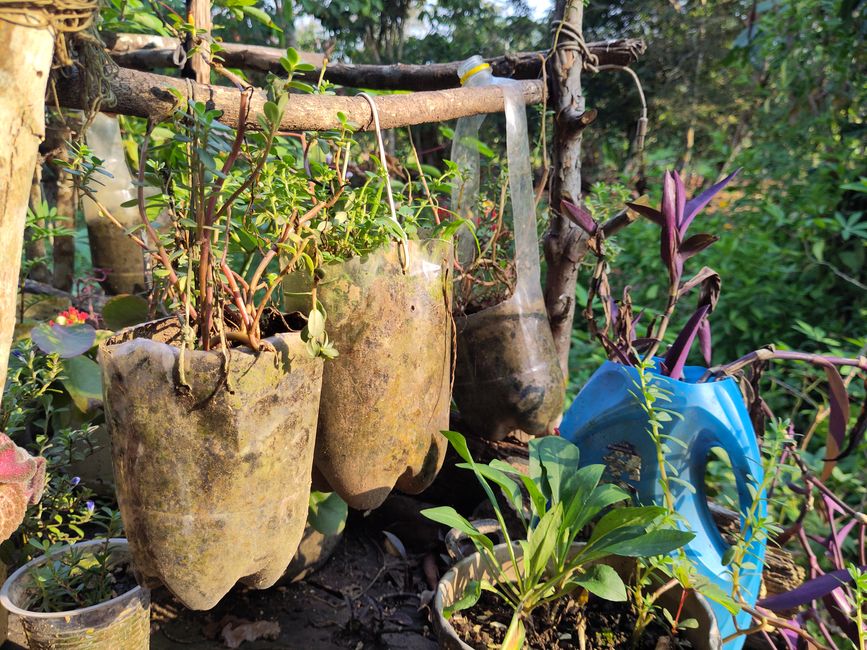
469 73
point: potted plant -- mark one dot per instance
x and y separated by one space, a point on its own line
82 595
655 421
212 410
553 587
385 283
507 375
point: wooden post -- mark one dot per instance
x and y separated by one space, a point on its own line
199 14
25 62
564 243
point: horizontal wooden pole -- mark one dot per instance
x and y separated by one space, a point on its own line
135 51
144 94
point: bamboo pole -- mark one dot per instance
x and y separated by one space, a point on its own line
25 62
144 94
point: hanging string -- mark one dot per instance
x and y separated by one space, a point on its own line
641 132
61 16
404 243
574 42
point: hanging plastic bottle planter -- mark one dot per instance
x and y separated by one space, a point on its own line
607 422
507 374
386 396
212 483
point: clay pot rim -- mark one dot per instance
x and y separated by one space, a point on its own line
115 543
445 629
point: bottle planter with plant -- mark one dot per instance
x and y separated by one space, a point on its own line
556 580
82 595
212 411
507 375
386 287
655 421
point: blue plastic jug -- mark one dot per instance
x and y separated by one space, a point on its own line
608 425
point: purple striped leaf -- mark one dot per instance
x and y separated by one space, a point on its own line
579 216
675 358
695 205
646 211
811 590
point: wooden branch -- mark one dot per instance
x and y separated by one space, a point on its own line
565 244
133 51
144 94
199 14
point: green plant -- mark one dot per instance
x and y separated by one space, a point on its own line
230 199
77 577
563 501
36 413
677 567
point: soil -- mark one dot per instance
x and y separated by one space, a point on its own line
364 598
608 626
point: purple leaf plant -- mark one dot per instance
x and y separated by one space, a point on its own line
824 600
676 246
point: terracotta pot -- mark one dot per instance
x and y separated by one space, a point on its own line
453 584
212 481
122 622
386 397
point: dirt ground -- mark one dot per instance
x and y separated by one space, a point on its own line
366 597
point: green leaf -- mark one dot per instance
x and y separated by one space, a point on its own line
619 517
327 512
509 487
316 323
260 15
148 20
470 597
541 541
515 634
602 497
656 542
450 517
555 459
66 341
125 310
460 445
579 486
603 581
292 56
82 378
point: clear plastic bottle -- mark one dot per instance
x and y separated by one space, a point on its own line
507 374
110 248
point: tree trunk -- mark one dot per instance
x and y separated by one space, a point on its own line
564 243
35 247
25 62
64 245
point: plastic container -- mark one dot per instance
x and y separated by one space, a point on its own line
122 622
213 482
607 423
385 398
507 374
110 248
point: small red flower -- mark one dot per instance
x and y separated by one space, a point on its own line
71 316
